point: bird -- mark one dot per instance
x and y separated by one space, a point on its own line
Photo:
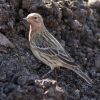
46 48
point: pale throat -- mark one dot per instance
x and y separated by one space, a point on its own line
36 29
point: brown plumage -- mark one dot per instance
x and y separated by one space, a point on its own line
47 49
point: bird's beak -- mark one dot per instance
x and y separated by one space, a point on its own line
25 18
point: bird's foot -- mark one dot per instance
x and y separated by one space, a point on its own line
45 75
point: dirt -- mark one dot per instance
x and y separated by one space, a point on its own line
76 24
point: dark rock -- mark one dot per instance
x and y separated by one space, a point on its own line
30 3
6 17
67 12
97 61
28 79
8 88
3 96
52 90
94 4
5 42
38 91
76 24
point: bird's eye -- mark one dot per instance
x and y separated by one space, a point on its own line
35 17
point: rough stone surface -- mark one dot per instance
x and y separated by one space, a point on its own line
76 24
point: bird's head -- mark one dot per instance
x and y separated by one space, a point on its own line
36 21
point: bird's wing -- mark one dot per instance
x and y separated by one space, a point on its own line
54 45
54 53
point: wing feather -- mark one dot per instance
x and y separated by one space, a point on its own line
54 53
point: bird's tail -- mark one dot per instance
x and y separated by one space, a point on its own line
83 75
78 71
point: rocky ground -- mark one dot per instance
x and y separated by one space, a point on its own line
76 24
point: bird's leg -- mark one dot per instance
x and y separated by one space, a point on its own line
47 73
55 75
